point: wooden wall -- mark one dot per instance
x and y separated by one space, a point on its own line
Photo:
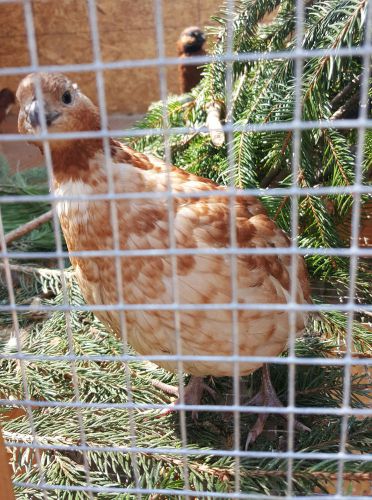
126 29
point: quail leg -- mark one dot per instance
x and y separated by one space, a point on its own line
192 393
266 397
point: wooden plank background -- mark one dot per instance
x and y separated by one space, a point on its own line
127 31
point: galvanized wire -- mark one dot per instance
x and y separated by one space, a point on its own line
350 306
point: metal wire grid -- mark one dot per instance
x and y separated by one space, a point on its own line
296 125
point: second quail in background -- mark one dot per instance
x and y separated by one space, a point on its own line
190 43
7 99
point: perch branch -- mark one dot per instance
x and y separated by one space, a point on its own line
28 227
349 105
345 92
17 268
214 124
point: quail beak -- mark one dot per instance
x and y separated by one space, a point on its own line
201 38
34 115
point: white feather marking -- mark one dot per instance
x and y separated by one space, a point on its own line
78 208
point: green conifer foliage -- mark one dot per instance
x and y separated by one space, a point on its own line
263 93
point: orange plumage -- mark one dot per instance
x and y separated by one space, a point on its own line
79 168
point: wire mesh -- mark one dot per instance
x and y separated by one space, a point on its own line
350 306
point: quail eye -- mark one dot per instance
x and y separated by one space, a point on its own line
67 97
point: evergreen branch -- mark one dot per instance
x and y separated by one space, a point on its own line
345 28
326 476
280 207
263 92
222 473
28 227
274 172
338 162
238 91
